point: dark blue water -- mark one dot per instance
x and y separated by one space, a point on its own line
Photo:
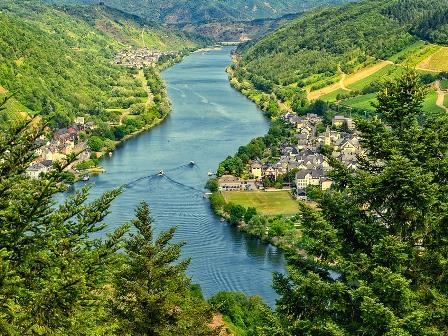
209 121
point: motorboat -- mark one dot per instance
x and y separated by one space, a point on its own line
110 154
192 163
85 178
210 173
161 173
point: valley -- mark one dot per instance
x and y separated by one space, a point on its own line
231 168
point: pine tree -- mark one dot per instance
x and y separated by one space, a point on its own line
153 295
376 251
51 271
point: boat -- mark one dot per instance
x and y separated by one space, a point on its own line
110 154
161 173
192 163
85 177
210 173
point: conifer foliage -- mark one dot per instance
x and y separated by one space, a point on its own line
376 250
56 278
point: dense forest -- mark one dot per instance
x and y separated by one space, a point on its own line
174 11
427 19
315 49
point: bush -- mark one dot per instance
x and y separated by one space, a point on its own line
248 313
95 143
217 202
212 185
236 213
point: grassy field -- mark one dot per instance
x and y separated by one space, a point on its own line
415 54
437 61
331 97
361 102
429 105
364 102
444 84
388 71
445 102
266 203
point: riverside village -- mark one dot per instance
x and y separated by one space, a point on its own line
302 163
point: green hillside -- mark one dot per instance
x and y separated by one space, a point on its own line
59 60
320 48
176 11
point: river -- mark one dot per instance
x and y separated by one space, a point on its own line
209 121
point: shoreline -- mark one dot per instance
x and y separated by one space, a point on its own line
100 155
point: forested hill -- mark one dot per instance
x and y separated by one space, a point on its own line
427 19
60 58
313 50
193 11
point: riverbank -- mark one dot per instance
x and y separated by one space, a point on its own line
209 119
279 230
272 108
158 104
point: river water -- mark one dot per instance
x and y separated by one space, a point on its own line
209 121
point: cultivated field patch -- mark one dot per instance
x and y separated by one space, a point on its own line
266 203
436 62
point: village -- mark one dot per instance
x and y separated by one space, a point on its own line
139 58
65 141
303 158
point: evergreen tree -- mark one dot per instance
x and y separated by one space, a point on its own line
56 279
376 252
51 269
153 295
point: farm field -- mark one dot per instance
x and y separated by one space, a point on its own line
313 95
348 80
332 96
363 102
415 54
388 71
13 108
436 62
266 203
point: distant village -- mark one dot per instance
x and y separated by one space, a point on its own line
64 142
311 167
139 58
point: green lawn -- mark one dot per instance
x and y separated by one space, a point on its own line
267 203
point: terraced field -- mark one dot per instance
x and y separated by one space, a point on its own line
424 57
388 71
436 62
346 81
415 54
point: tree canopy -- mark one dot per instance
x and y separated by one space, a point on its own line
375 250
